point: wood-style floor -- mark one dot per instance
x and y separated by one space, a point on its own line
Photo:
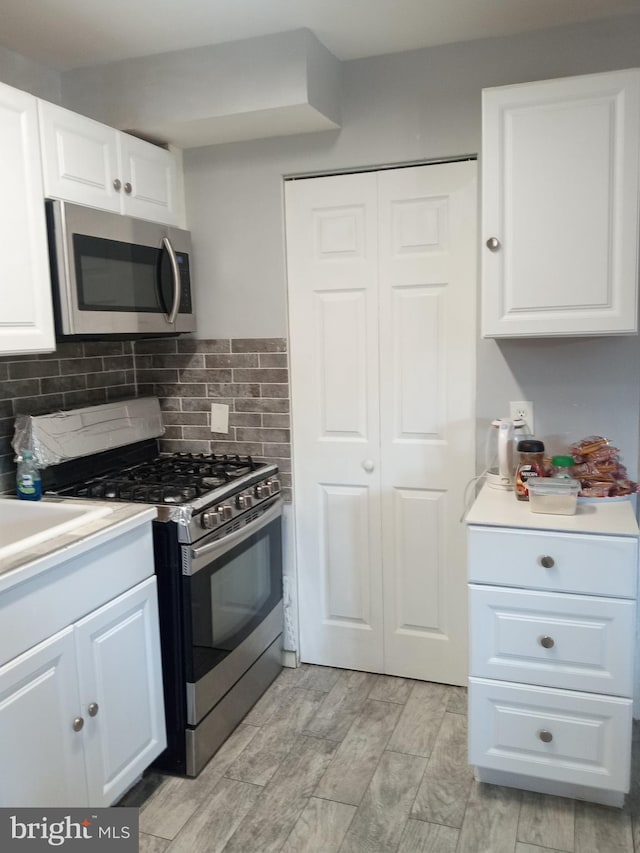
331 760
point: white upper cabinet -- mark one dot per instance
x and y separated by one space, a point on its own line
89 163
149 176
26 319
560 207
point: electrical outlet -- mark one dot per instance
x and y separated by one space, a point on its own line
522 409
219 418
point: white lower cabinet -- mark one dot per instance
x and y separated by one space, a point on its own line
42 758
121 700
82 712
552 616
580 739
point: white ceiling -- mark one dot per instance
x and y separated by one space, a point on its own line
68 34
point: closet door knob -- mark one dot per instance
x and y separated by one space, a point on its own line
117 184
77 724
128 188
93 709
493 244
368 465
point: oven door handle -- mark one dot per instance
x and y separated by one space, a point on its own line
202 556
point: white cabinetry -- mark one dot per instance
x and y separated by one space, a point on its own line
552 631
82 710
41 756
86 162
26 319
560 206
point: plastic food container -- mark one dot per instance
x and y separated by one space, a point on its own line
553 496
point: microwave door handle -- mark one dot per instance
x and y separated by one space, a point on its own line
171 316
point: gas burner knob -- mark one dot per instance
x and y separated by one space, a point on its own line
225 511
274 486
209 519
262 490
244 501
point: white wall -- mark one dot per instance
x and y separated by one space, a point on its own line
23 73
217 93
418 105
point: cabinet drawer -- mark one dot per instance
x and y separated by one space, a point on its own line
593 565
590 736
578 642
35 609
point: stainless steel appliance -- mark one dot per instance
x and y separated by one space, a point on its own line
218 553
117 276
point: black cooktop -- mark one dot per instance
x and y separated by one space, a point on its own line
173 479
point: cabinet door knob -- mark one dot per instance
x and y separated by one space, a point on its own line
128 188
93 709
368 465
545 736
77 724
545 642
117 184
547 562
493 244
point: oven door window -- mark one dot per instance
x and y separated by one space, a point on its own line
230 596
116 276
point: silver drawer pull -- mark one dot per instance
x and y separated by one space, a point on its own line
545 736
547 562
547 642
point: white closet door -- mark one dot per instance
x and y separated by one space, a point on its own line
382 281
427 300
333 319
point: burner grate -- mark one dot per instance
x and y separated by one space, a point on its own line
166 480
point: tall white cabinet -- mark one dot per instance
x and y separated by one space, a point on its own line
26 318
560 220
552 626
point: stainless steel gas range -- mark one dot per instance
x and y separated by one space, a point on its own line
218 555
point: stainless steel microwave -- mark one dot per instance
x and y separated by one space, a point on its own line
116 276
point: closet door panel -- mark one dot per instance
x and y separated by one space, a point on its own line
381 271
333 316
427 293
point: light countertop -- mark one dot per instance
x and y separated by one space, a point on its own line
38 558
496 507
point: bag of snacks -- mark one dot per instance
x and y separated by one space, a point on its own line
598 467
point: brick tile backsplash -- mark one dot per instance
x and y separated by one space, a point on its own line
250 375
76 374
